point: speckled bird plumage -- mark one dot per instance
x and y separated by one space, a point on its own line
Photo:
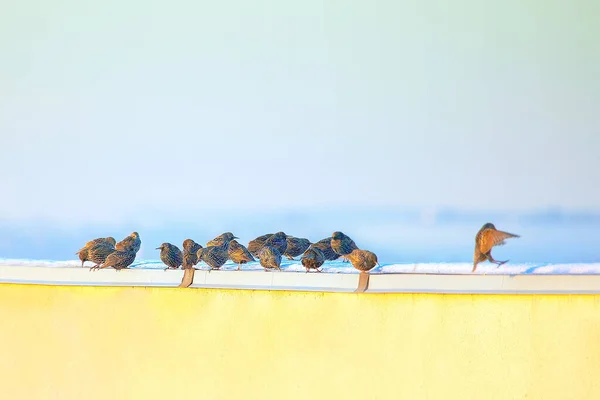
342 244
488 237
255 245
325 246
270 258
118 260
295 247
214 256
83 253
221 239
363 260
313 258
190 253
278 241
98 252
131 242
239 254
170 255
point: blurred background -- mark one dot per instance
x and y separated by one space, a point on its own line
407 125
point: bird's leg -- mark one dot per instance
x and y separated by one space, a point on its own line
307 270
318 270
491 259
239 266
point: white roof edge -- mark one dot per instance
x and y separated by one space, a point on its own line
300 281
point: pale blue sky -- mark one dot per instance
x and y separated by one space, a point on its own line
118 110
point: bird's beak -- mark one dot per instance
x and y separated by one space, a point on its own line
158 248
235 237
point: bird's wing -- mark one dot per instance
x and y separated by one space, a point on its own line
492 237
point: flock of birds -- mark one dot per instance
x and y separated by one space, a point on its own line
268 249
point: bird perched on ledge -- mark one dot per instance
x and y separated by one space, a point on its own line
313 258
222 239
98 252
342 244
255 245
190 253
170 255
295 247
118 260
214 256
277 241
325 246
488 237
364 261
83 253
239 254
131 242
270 258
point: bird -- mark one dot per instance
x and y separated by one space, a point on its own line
221 239
131 242
270 258
118 259
255 245
190 253
342 244
98 252
325 246
83 252
214 256
313 258
363 260
295 247
170 255
278 241
488 237
239 254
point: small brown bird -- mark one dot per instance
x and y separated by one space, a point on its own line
118 260
325 246
278 241
295 247
270 258
313 258
363 260
239 254
98 252
342 244
214 256
170 255
131 242
83 252
255 245
488 237
221 239
190 253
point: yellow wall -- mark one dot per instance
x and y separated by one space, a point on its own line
128 343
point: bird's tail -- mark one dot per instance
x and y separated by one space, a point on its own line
510 235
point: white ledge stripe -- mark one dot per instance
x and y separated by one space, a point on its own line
300 281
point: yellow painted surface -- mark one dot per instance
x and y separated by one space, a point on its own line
142 343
